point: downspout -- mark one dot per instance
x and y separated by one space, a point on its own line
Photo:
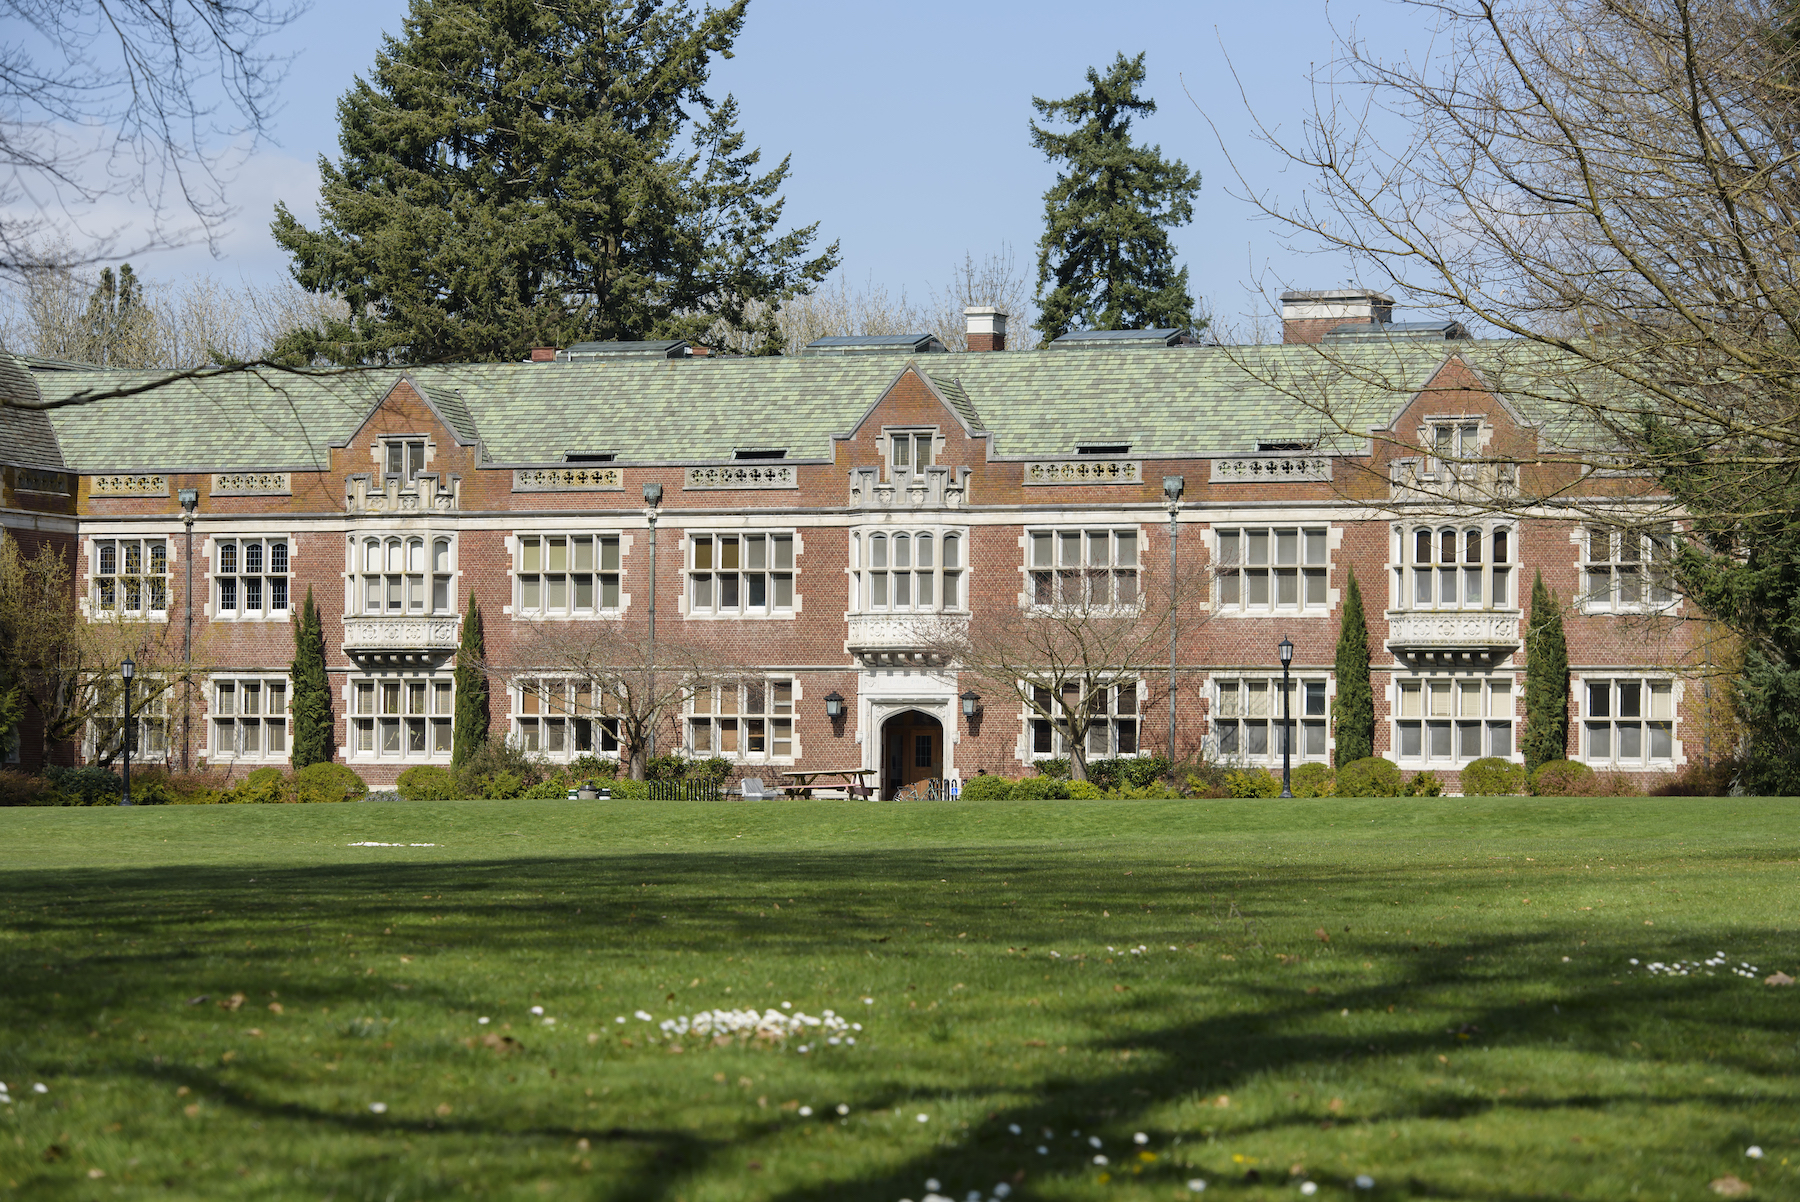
190 501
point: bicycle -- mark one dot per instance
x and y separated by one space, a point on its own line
932 789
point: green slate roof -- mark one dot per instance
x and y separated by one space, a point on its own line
1177 401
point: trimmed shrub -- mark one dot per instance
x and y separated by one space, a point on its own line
1372 776
1252 782
1314 780
328 782
987 788
1041 788
666 767
265 786
499 770
714 772
1135 771
1425 784
1059 769
1210 785
1564 778
556 785
593 767
1493 777
426 782
1085 790
88 786
626 789
20 789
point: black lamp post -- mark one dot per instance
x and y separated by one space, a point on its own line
834 705
971 703
126 670
653 494
1287 718
1172 490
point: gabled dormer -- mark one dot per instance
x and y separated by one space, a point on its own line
410 454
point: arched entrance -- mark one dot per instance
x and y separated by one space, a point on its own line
912 750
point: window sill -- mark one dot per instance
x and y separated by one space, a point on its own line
784 615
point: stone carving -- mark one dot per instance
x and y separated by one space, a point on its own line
743 475
37 479
568 479
1272 469
1085 471
427 495
380 633
252 483
937 488
900 637
123 485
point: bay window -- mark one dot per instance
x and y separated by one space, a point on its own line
901 570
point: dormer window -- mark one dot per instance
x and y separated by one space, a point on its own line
405 459
909 454
1453 444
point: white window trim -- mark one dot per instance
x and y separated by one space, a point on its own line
858 549
355 575
90 599
913 472
1060 748
1401 564
353 720
742 756
218 755
1299 717
211 606
1612 762
1579 537
517 718
515 556
1456 760
1334 539
685 548
1027 582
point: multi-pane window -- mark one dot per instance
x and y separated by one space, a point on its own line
899 571
1274 568
250 577
403 718
1112 721
1456 567
1247 718
1453 444
1455 720
752 721
909 454
250 718
131 575
404 458
1088 568
564 719
404 575
149 720
568 574
1628 722
743 574
1627 569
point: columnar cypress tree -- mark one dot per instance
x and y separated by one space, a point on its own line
1107 217
1354 707
1546 680
471 689
312 690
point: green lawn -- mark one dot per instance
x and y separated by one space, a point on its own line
1435 994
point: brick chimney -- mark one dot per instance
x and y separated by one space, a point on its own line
987 327
543 354
1309 316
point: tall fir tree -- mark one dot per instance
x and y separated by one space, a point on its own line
471 729
517 175
313 741
1546 680
1354 706
117 329
1107 217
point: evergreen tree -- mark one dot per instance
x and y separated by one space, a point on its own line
313 741
471 689
1354 706
118 329
1546 680
1107 217
517 175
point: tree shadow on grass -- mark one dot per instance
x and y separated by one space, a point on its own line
149 940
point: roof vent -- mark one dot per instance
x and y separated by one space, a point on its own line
1429 331
760 453
1104 448
588 456
1085 339
583 352
876 344
1264 448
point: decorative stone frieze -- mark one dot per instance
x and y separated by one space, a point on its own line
1449 637
902 638
126 485
568 479
37 479
935 488
427 495
1272 469
401 636
743 475
1085 471
252 484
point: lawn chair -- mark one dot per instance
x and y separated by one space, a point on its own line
752 789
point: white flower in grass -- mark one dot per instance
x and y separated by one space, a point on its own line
1014 1128
641 1015
868 1001
619 1019
1196 1185
483 1020
1002 1190
787 1005
1099 1160
851 1040
537 1010
806 1112
1364 1181
924 1118
1140 1138
1093 1141
931 1184
1042 1150
1753 1152
843 1109
834 1041
40 1087
377 1107
1309 1188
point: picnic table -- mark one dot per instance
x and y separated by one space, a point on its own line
802 783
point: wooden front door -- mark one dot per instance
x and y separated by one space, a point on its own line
912 750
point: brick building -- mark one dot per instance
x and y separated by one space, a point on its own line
812 508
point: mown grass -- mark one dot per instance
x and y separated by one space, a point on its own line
1435 994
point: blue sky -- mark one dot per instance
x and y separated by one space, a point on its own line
908 124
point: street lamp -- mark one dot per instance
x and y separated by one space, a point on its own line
126 670
1173 486
652 498
834 705
971 702
1286 648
